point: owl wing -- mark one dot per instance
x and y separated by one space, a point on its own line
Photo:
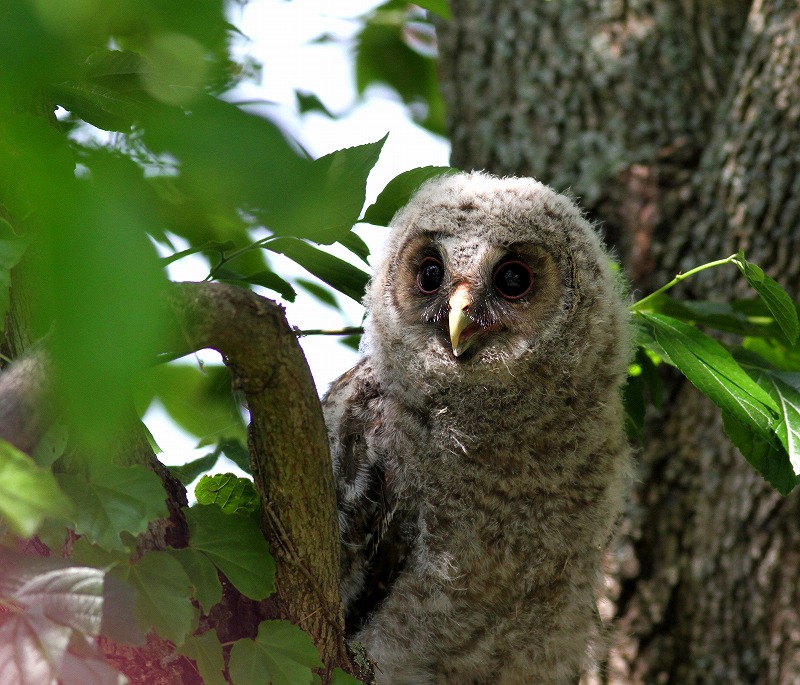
374 538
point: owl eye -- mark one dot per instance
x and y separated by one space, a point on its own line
430 275
512 280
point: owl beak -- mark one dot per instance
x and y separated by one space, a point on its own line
462 328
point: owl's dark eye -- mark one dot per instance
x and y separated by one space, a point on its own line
512 280
430 275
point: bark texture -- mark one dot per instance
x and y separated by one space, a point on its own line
677 123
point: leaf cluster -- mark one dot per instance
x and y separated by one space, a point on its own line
750 373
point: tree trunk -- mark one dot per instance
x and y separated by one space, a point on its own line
677 124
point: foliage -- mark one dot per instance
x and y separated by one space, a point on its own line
147 163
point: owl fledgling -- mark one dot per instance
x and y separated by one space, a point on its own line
478 447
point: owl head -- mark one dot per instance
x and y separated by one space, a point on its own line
486 277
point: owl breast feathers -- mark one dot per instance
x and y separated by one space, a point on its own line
478 447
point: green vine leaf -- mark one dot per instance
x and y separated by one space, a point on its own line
206 651
28 493
236 547
114 499
202 576
281 654
162 595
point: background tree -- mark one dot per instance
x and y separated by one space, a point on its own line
678 126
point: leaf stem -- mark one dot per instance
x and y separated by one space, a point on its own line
639 306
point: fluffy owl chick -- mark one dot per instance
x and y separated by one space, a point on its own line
478 447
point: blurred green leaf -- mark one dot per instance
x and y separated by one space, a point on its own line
384 55
186 473
439 7
398 192
236 547
230 493
341 678
206 651
310 102
199 400
281 654
335 272
774 296
113 499
12 247
202 576
320 292
28 493
713 371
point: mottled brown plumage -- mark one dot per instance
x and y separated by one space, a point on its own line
478 447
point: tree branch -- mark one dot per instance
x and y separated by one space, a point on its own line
288 449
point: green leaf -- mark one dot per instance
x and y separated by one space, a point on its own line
206 651
12 247
353 242
114 499
440 7
237 453
633 400
236 546
162 595
267 279
188 472
333 191
740 317
335 272
230 493
320 292
713 371
386 54
28 493
200 400
774 296
398 192
281 654
209 246
769 459
310 102
784 388
51 446
202 575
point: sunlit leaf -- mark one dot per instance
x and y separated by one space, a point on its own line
281 654
230 493
28 493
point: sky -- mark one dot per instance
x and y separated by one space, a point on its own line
280 36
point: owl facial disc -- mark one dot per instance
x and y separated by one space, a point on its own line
463 330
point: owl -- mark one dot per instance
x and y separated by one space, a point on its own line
478 446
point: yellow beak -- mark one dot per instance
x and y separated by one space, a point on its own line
459 321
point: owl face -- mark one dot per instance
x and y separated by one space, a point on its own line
484 275
467 299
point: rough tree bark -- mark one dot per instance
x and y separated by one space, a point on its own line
677 123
